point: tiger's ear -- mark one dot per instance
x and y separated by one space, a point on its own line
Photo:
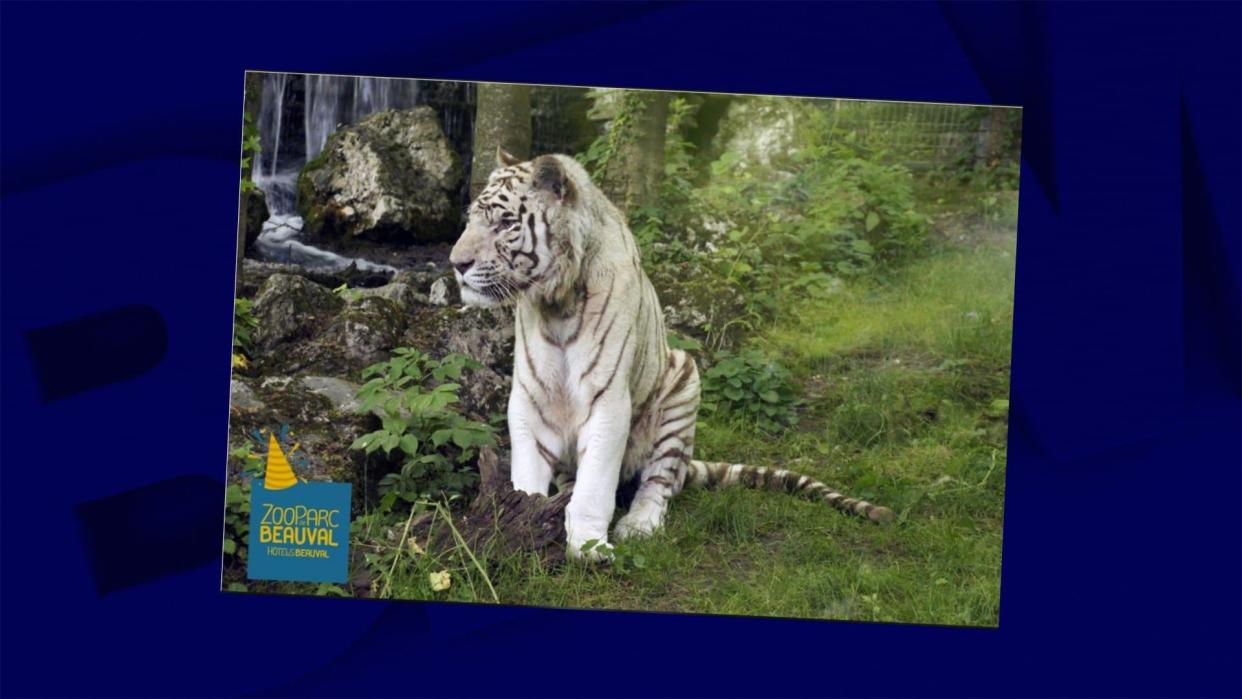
504 158
551 177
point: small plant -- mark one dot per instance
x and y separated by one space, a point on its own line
251 463
349 295
414 392
244 325
250 149
236 520
748 384
622 559
689 344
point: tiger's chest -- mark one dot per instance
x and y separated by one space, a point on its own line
560 352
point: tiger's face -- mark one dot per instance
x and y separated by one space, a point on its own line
509 246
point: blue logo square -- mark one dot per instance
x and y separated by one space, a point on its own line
300 533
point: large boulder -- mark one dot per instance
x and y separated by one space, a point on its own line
364 332
290 308
400 293
393 174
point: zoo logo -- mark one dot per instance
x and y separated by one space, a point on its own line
299 530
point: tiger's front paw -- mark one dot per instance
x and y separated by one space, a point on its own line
587 540
593 550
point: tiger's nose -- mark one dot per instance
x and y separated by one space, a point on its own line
463 267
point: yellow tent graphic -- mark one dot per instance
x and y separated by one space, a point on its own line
279 474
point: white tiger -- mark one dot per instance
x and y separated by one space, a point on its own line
597 392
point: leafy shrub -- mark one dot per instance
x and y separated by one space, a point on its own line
743 241
244 325
749 385
252 464
865 211
236 520
414 392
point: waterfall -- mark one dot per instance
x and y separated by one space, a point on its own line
279 98
275 175
333 99
297 114
324 101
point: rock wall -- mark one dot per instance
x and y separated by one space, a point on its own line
312 342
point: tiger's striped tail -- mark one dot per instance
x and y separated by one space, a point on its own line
702 474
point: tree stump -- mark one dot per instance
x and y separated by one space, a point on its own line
502 521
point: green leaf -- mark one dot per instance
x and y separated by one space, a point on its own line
390 441
873 220
409 444
230 546
367 441
394 425
676 341
387 501
233 495
441 437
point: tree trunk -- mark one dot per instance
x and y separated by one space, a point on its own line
643 156
502 119
631 175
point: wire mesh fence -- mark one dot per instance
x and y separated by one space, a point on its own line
920 136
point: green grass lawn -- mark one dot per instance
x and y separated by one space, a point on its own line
906 388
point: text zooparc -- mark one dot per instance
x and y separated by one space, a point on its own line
298 525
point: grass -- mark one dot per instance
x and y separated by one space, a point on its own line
906 383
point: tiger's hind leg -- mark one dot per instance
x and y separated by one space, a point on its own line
673 420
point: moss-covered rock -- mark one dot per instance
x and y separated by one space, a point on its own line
363 333
319 414
290 308
698 305
400 293
486 334
392 175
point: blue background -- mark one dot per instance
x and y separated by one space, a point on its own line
120 140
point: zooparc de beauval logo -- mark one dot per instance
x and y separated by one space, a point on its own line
299 530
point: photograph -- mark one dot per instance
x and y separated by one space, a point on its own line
602 348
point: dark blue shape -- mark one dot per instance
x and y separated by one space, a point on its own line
1007 44
1212 294
149 532
97 350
